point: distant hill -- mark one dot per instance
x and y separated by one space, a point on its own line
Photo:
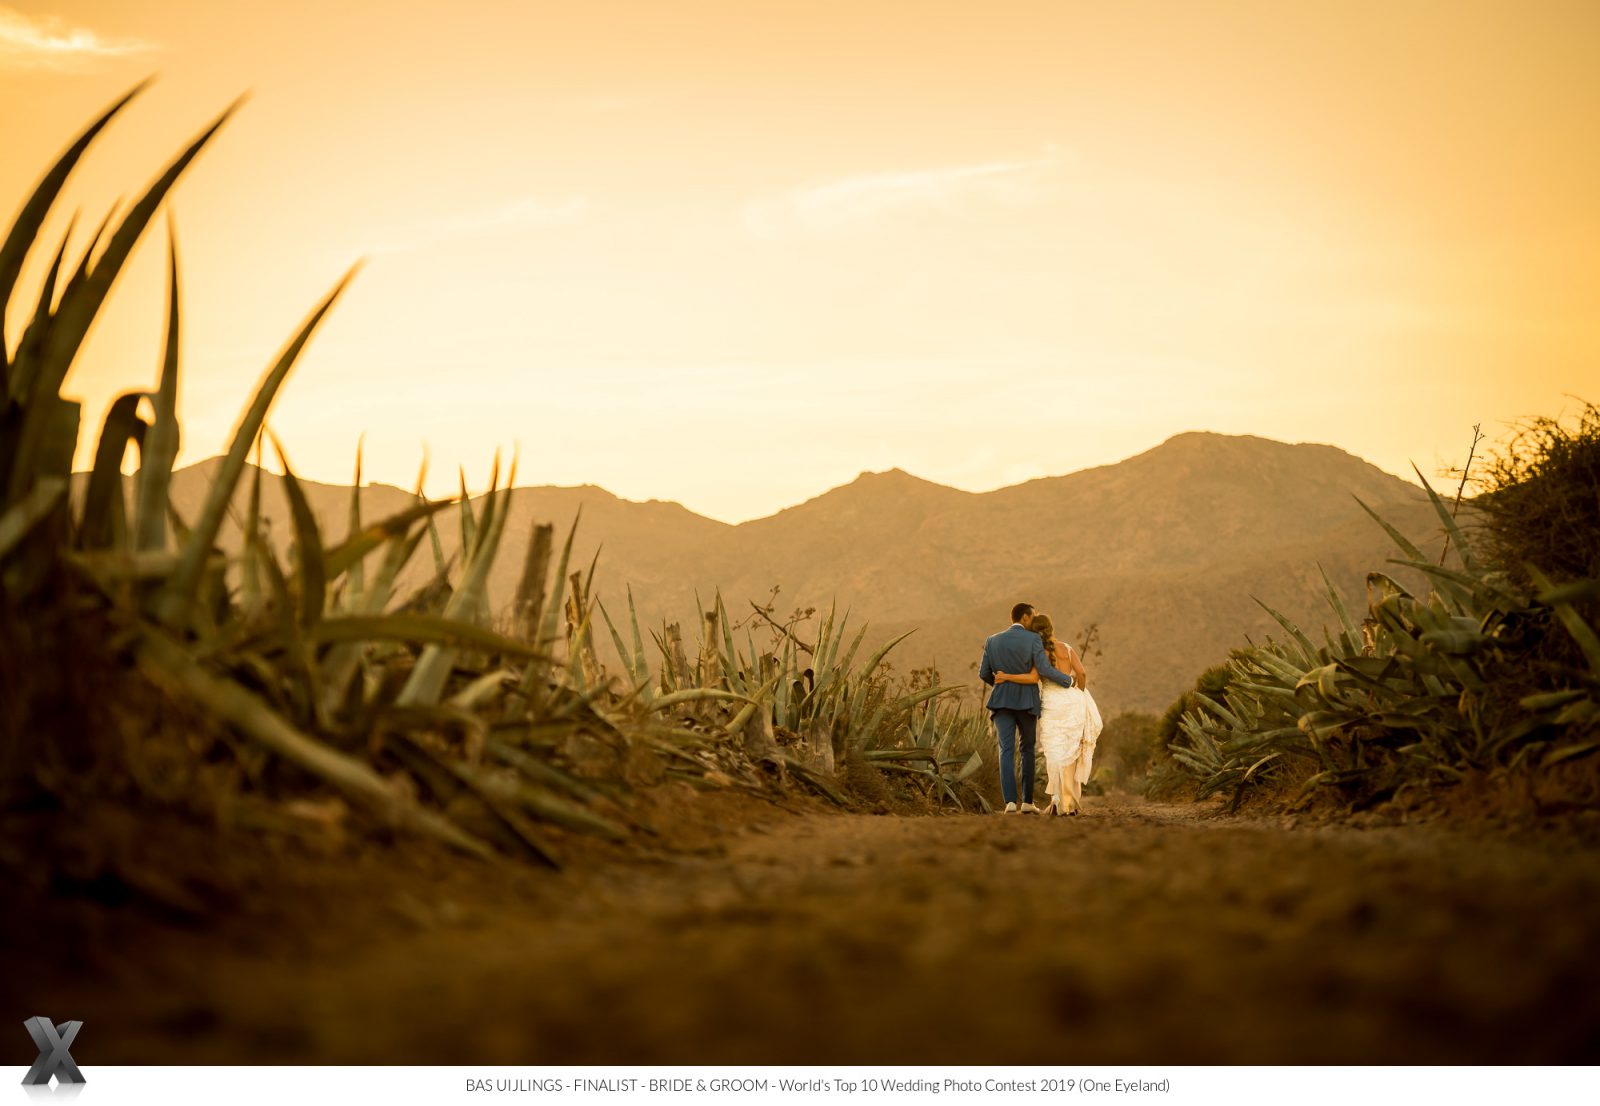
1162 552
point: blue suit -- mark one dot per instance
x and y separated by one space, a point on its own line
1015 707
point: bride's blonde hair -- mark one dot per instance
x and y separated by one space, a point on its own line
1046 629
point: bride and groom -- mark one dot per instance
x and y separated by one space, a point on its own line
1033 699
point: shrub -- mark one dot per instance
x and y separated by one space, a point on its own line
1540 501
1130 745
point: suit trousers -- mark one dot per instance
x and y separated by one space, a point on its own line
1010 725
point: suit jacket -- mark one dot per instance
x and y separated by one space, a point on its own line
1015 651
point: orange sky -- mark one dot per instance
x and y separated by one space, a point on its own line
734 253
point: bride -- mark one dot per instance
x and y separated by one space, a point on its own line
1069 722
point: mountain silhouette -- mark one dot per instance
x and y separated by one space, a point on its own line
1162 553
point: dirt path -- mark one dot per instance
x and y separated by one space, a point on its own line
1136 932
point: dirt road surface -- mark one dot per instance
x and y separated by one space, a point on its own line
1137 932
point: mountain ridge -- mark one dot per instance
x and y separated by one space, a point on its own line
1163 551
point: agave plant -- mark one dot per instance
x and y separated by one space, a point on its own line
805 706
1412 694
943 752
413 707
311 659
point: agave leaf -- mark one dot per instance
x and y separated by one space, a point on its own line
1268 759
104 524
1458 540
758 700
824 633
80 272
540 772
882 755
339 666
25 229
1574 592
697 695
177 598
13 376
1349 634
513 830
60 439
876 659
907 702
349 554
282 605
1292 629
1455 642
545 804
308 544
641 663
550 630
1582 633
249 566
1462 586
440 565
622 650
730 655
160 449
807 775
23 516
1396 536
1569 752
831 665
1551 699
432 671
172 665
971 768
482 690
1285 695
468 524
842 666
80 305
1220 711
357 565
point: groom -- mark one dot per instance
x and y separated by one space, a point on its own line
1015 707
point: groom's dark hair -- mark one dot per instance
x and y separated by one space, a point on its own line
1019 610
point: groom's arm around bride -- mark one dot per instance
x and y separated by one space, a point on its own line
1046 670
1016 651
1015 706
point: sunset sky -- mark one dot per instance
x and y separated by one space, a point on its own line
732 254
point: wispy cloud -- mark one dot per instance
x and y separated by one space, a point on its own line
48 42
527 212
948 190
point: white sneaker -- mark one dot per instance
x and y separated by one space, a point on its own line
1029 808
1011 808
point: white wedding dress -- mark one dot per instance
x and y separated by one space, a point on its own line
1069 727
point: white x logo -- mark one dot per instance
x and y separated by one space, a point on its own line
54 1059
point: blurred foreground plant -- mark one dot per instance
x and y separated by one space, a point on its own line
413 707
